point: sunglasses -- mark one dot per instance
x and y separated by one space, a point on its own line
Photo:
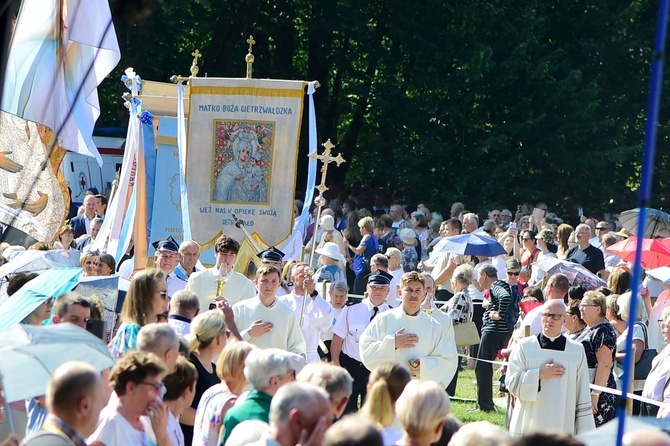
513 273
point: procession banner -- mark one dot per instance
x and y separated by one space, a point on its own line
242 157
34 196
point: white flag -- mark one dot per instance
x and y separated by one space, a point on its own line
60 52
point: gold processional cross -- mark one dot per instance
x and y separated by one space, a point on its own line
325 158
194 66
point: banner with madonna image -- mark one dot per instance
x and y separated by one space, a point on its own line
242 157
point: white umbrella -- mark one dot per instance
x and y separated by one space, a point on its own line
36 261
661 273
29 354
654 221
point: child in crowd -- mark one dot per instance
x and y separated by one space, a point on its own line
331 271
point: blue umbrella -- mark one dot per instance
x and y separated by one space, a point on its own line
472 245
51 283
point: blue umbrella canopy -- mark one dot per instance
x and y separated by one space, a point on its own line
49 284
471 244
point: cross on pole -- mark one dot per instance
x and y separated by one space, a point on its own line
251 43
194 66
249 58
326 158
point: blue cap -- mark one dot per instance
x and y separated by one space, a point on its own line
271 254
169 244
380 277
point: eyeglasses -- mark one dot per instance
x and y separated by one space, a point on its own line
513 273
49 301
552 316
156 386
582 306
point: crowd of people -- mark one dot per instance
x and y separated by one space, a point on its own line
361 344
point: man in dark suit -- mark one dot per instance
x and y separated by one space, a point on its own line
82 223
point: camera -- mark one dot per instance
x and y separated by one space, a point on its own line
96 327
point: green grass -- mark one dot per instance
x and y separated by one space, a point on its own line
467 390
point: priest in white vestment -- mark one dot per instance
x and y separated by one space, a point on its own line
549 377
408 336
318 314
265 321
237 287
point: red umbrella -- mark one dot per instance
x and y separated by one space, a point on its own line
654 252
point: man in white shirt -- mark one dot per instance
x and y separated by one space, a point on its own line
167 258
349 328
265 321
408 336
236 286
184 306
318 314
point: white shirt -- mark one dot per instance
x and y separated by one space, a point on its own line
182 327
317 319
113 429
174 431
352 322
174 284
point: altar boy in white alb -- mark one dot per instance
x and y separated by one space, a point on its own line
318 314
265 321
549 376
408 336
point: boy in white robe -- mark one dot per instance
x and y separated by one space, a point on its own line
265 321
408 336
549 376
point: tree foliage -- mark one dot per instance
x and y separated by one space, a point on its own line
477 101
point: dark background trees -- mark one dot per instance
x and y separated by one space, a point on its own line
477 101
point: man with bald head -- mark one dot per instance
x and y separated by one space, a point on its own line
75 396
549 377
586 254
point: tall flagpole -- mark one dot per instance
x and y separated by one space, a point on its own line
644 197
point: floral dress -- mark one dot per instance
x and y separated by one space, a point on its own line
409 259
593 339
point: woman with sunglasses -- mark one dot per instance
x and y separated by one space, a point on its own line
599 341
138 417
573 319
207 339
146 299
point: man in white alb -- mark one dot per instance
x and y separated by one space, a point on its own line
318 314
265 321
408 336
549 376
236 288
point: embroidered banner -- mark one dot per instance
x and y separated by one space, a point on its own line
242 157
34 197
